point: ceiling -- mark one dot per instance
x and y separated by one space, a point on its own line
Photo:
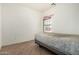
38 6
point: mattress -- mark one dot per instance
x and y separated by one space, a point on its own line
65 44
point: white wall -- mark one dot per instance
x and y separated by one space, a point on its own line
19 23
0 24
66 18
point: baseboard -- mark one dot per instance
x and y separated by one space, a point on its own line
17 43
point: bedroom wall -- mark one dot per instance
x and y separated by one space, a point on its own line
20 23
0 24
66 19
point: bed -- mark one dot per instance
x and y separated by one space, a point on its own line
62 45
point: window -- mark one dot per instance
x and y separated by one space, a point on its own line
47 24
